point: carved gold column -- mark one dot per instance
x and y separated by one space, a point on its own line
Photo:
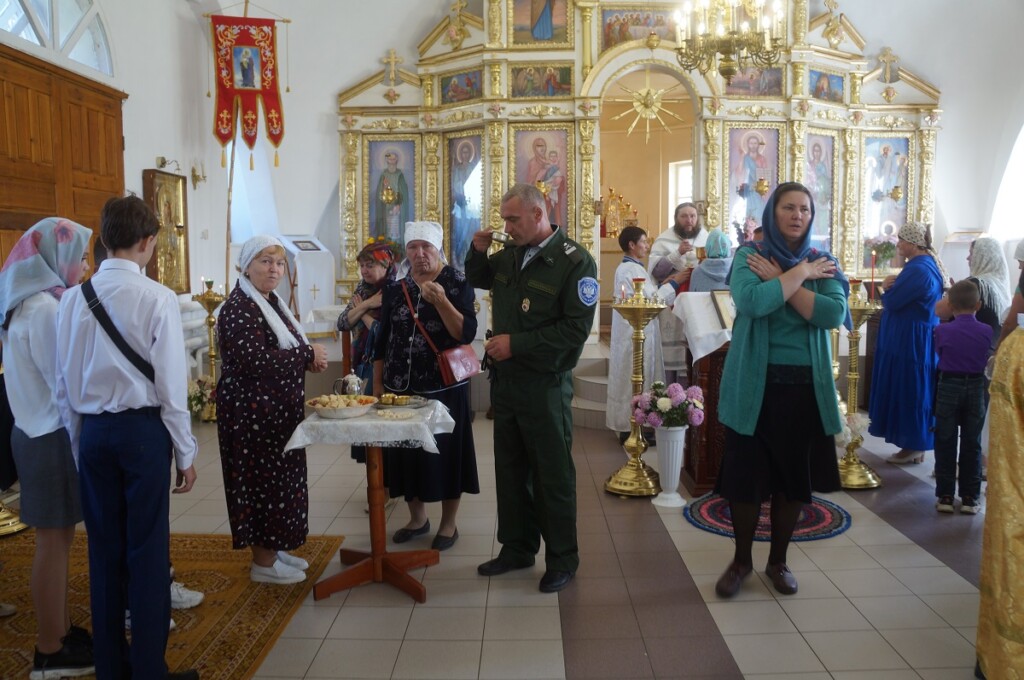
848 253
349 210
431 142
713 152
856 80
798 129
586 226
496 155
799 79
427 85
494 11
587 12
799 22
926 209
495 71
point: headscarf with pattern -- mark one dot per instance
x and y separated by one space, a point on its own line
920 235
285 338
47 257
989 266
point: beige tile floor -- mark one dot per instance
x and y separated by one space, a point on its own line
872 604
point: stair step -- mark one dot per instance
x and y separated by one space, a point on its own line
591 387
588 413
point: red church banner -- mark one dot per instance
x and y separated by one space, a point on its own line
246 52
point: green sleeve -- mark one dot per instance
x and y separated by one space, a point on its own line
566 334
478 269
752 296
829 304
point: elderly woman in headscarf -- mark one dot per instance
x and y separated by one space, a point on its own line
49 258
433 297
778 399
989 274
712 272
1017 303
903 374
259 404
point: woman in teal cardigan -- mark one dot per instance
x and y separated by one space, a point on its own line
777 398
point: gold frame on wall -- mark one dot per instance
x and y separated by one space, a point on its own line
863 266
829 72
166 194
446 193
570 29
727 192
834 226
442 104
516 129
368 190
540 66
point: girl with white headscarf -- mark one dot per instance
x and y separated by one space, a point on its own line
260 399
49 258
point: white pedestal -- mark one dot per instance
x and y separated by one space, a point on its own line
671 441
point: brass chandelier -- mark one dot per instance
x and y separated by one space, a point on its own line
730 34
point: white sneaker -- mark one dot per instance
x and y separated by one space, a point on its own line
183 598
280 573
292 560
128 621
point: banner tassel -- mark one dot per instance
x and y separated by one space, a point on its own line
252 166
223 158
277 162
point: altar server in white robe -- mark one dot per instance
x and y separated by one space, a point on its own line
633 241
673 256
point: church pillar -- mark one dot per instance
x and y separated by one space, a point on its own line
587 149
713 153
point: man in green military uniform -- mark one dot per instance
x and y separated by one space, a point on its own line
544 297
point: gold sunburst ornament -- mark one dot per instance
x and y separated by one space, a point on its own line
647 106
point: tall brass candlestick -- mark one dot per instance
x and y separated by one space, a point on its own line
853 473
10 523
210 300
636 478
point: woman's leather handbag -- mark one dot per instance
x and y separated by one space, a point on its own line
456 364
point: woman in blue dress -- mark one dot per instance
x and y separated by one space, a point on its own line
903 375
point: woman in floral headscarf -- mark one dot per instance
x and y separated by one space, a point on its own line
49 258
903 374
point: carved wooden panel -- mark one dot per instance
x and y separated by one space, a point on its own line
705 444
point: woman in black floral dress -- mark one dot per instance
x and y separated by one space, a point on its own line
259 404
405 364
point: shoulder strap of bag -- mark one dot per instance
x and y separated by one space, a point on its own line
96 306
416 318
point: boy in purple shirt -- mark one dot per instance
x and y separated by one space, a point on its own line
963 348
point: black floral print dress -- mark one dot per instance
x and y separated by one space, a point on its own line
259 404
410 367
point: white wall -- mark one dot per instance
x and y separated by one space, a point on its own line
970 51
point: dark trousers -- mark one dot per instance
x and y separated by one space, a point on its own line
535 477
124 472
959 409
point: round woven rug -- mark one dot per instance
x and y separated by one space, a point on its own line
820 519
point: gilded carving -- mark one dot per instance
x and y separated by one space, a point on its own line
427 85
461 117
431 143
586 227
889 93
495 70
587 12
349 208
494 23
856 80
540 111
892 122
927 204
799 79
798 128
799 22
496 153
849 252
713 152
349 121
495 109
391 124
755 111
831 115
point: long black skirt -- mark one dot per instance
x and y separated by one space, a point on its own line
431 477
789 451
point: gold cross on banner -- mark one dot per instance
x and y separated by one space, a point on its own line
392 60
314 290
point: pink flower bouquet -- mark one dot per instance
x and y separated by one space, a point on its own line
669 406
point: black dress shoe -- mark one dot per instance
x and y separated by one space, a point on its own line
499 565
403 534
730 581
442 543
553 581
190 674
782 578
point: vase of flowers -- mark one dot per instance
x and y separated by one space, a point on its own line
884 248
202 398
670 410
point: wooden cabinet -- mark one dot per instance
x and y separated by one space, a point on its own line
705 444
61 145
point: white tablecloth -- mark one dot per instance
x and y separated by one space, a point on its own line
703 328
372 430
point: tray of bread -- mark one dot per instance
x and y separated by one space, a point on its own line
395 413
341 406
389 400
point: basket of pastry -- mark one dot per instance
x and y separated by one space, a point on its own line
341 406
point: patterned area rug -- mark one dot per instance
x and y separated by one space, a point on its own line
820 519
225 637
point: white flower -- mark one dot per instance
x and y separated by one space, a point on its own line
664 404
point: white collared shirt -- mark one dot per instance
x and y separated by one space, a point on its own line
93 376
533 250
30 362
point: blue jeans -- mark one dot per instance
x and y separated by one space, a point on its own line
959 409
124 472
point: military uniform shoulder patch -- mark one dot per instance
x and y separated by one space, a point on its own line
572 252
588 290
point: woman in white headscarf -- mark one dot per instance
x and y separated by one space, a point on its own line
259 404
49 258
1017 303
989 274
437 295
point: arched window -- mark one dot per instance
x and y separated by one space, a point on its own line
72 30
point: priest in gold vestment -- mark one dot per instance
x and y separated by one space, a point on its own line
1000 644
